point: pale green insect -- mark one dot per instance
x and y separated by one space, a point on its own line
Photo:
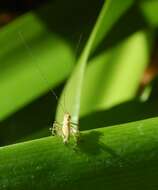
65 129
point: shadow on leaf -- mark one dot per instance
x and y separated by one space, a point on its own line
122 113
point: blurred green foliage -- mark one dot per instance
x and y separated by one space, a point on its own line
91 54
40 44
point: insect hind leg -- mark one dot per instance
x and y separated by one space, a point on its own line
75 133
56 128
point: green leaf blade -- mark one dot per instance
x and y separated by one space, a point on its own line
74 85
114 76
30 62
116 157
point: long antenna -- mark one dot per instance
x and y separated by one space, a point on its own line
39 69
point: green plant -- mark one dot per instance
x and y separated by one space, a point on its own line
101 90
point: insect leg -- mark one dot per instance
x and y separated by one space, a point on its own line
56 128
75 133
75 124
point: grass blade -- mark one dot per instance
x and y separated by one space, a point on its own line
113 77
122 157
27 55
72 92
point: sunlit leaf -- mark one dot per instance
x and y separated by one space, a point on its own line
120 157
30 62
113 76
110 13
